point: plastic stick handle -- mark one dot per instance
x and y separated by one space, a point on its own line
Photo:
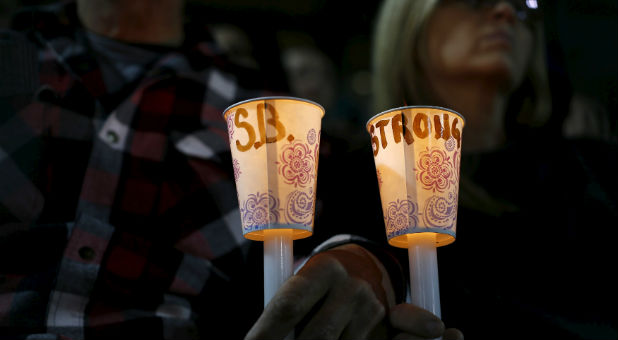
424 285
278 260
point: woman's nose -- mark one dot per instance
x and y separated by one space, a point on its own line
504 10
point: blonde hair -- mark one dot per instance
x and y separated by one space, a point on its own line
397 31
396 70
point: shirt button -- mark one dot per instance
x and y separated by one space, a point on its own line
86 253
112 136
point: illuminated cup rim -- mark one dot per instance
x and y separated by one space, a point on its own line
413 107
258 99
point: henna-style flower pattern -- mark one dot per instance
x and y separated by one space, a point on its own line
259 210
434 170
441 211
297 164
400 216
311 136
316 151
299 208
456 164
237 171
230 125
450 144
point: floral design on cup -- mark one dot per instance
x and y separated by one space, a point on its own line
236 167
297 164
316 151
259 210
434 170
450 144
456 164
230 126
299 207
400 216
311 136
441 211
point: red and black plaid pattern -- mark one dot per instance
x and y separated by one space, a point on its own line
118 212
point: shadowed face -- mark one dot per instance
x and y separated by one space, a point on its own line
484 41
157 22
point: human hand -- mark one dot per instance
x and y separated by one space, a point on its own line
342 293
411 322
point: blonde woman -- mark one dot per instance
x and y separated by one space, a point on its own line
527 196
466 55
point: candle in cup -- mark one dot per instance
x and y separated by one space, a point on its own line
275 147
417 151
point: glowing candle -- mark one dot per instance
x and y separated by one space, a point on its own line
275 147
417 151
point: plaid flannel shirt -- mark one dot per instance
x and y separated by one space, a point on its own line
118 213
118 210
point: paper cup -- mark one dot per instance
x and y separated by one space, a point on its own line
275 144
417 151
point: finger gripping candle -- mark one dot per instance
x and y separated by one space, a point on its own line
275 147
417 152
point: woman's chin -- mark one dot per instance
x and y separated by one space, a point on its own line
499 70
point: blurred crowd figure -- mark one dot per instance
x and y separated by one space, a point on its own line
312 74
528 195
236 44
588 118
